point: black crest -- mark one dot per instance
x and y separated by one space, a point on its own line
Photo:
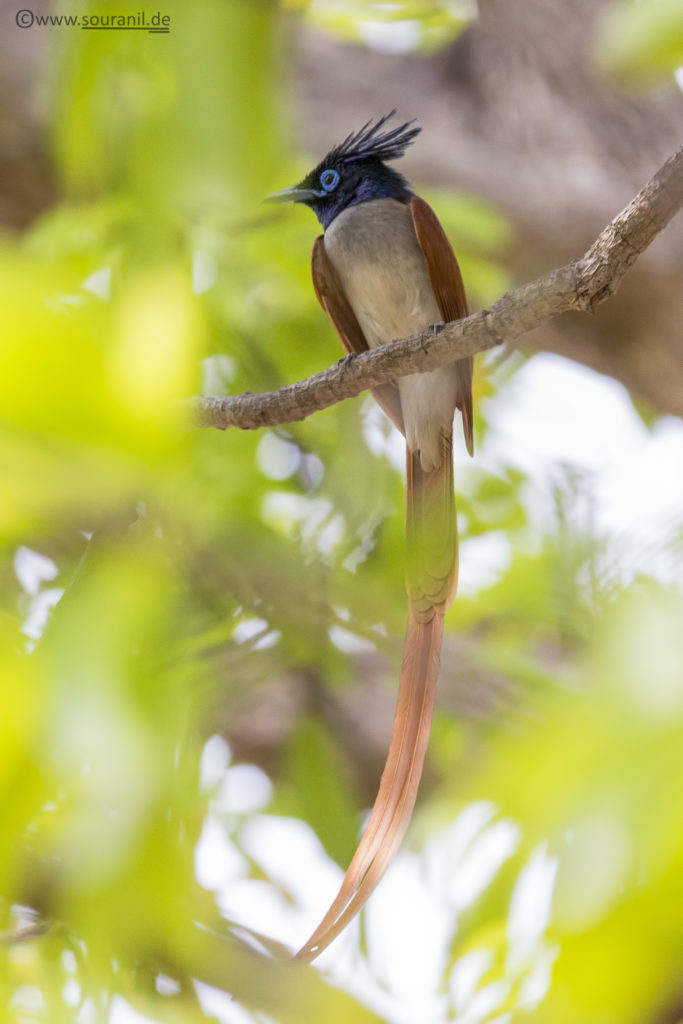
370 143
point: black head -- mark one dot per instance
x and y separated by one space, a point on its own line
355 172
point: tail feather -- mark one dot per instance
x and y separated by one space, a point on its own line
431 533
398 787
463 369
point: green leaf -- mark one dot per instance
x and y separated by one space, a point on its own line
642 42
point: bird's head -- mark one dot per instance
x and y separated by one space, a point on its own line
355 171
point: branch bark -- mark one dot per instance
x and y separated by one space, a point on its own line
580 285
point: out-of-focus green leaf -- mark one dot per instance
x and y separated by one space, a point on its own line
591 774
392 27
643 41
316 792
125 99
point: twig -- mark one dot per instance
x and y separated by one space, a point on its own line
580 285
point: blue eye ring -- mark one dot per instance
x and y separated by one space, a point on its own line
329 179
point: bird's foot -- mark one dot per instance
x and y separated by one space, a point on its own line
346 360
437 326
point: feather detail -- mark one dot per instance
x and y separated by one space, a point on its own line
369 143
330 294
393 807
431 533
449 292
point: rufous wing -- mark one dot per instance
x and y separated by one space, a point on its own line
332 298
449 292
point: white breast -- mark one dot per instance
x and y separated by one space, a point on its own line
375 251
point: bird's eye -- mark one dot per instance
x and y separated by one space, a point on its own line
329 179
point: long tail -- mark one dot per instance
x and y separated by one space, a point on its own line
432 571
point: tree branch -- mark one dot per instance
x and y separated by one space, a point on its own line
580 285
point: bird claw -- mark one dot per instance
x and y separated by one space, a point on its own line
437 326
345 360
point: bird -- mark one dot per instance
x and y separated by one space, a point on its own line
383 269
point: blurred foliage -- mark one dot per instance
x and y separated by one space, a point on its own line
194 571
642 42
394 27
